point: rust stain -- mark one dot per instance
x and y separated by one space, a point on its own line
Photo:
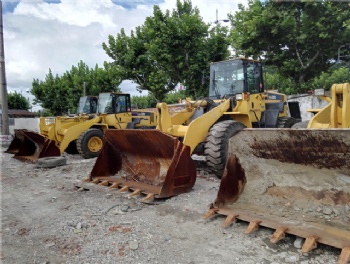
320 149
329 197
148 157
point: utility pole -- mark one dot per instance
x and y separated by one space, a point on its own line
5 130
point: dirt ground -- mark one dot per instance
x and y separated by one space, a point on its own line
47 218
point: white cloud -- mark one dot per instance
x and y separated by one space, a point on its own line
39 36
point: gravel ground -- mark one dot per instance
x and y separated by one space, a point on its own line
50 216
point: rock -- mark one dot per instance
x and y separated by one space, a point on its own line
133 245
48 245
71 223
296 208
124 208
166 238
78 226
327 211
335 211
298 243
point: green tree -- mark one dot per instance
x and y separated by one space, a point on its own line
142 102
61 94
169 48
150 101
17 101
327 79
301 38
275 81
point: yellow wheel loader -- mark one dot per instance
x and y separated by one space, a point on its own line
237 99
32 145
295 181
82 133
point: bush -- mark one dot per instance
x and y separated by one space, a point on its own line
17 101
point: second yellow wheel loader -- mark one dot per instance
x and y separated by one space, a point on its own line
83 132
33 145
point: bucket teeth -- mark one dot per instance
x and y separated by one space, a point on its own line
95 181
310 244
114 186
124 189
149 198
104 183
344 255
87 179
229 220
210 213
252 227
279 234
137 192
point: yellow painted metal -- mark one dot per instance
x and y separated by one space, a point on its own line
95 144
193 132
65 129
337 113
65 135
198 128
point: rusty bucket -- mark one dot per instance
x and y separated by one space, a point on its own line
30 146
17 141
285 179
146 162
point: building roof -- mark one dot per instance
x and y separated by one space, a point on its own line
16 113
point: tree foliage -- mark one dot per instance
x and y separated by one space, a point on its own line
61 93
301 38
327 79
149 101
169 48
17 101
142 102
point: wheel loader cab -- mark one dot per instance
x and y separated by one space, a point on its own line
87 105
113 103
232 77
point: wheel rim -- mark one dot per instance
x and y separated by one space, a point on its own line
95 144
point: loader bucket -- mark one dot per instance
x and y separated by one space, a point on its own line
16 142
296 181
146 162
32 146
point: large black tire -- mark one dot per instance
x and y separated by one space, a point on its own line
302 124
89 143
286 122
216 146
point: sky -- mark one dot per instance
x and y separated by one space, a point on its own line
56 34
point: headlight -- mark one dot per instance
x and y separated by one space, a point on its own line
239 97
319 92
